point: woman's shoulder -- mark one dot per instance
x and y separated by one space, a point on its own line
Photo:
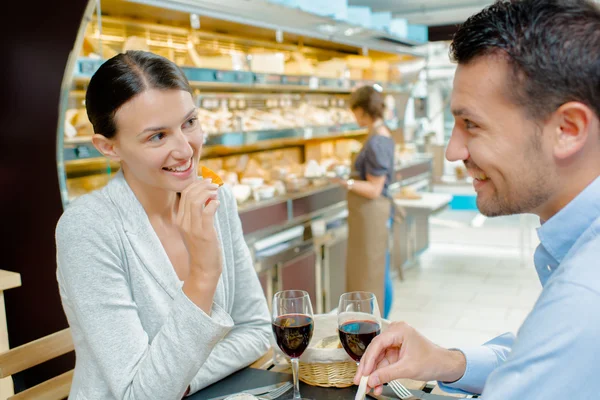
90 211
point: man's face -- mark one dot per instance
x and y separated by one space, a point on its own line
504 151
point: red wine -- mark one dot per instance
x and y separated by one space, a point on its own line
356 337
293 333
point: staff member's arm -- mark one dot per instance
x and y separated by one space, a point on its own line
371 188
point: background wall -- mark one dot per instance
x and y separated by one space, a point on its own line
40 37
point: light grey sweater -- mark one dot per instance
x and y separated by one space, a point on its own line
136 334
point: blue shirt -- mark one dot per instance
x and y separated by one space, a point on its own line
556 354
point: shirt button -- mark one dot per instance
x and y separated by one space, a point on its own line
549 268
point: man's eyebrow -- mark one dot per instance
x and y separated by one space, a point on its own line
462 112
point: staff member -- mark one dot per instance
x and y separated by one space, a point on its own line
369 204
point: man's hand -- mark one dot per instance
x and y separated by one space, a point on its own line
402 352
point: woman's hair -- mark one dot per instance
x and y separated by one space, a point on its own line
369 100
123 77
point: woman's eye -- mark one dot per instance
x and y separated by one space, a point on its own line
190 123
156 137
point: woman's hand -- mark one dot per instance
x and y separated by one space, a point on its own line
195 218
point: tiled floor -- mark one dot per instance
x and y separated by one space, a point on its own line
473 283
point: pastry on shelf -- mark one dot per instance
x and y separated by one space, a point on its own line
241 192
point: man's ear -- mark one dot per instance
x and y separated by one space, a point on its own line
105 146
572 124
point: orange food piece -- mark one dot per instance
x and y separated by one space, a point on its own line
209 173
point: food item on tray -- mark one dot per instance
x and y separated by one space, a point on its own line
264 192
241 192
76 120
231 178
313 170
408 193
295 184
253 182
209 173
279 188
255 169
362 388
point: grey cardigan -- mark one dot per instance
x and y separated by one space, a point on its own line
136 334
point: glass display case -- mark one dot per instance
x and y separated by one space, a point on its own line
253 94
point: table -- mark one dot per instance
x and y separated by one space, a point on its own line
413 232
266 362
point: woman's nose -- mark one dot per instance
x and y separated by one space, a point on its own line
182 148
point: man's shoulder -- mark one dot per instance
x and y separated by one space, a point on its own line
580 265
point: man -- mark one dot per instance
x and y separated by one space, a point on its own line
526 102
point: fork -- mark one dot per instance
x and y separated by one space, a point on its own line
401 391
277 392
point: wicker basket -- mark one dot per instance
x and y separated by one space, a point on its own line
326 367
339 374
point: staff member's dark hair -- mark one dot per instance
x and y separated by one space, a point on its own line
369 100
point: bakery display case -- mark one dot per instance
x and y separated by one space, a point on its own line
277 122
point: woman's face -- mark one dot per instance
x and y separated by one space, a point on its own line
159 139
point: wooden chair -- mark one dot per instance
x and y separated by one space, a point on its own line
34 353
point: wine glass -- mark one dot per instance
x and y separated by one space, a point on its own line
359 321
293 326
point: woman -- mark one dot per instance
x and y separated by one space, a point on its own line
369 206
155 277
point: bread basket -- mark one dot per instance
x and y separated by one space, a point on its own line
325 367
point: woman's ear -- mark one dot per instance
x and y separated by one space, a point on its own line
105 146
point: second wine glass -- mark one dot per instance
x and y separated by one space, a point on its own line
293 327
359 322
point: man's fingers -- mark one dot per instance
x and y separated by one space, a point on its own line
378 390
387 374
377 348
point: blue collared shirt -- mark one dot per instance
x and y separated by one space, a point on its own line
556 354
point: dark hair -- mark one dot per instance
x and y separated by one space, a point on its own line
123 77
369 100
553 47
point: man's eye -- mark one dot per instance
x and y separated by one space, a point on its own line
469 124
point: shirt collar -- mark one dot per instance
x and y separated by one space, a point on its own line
560 232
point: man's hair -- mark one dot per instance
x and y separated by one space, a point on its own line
553 47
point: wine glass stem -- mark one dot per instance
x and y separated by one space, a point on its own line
296 380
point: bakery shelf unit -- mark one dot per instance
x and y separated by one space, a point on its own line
255 90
